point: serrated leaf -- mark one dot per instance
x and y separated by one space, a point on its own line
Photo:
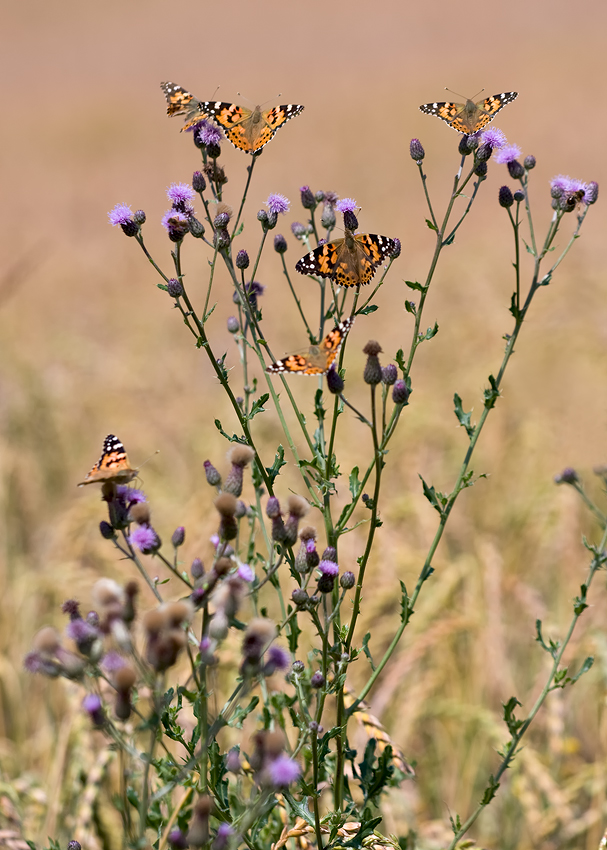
491 394
206 316
414 284
367 651
258 406
436 498
431 332
232 439
279 461
354 483
463 418
513 308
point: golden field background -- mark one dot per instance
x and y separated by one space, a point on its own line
89 346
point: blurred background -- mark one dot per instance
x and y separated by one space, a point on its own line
90 346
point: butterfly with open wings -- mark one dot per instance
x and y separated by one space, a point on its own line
470 117
350 261
318 358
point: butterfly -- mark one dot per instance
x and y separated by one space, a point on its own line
318 358
250 130
181 102
349 261
469 117
113 465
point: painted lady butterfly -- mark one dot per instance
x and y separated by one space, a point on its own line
248 130
181 102
113 465
350 261
469 117
318 358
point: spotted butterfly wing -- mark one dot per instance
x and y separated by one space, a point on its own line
318 358
250 130
350 261
469 117
113 465
182 102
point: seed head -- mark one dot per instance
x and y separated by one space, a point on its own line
373 373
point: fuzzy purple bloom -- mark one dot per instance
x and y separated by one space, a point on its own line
175 223
346 205
493 137
208 133
94 708
283 771
144 538
130 495
180 193
222 839
277 203
246 572
507 154
112 661
121 214
81 632
278 657
564 185
328 568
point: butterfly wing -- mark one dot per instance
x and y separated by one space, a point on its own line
322 261
182 102
113 465
318 359
445 110
235 120
490 106
371 250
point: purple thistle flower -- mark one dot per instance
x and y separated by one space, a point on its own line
32 662
121 214
346 205
214 538
94 708
246 572
507 154
208 133
180 193
278 657
328 568
144 538
112 661
277 203
494 137
224 831
81 632
176 224
130 495
283 771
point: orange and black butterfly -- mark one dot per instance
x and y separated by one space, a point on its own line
469 117
113 465
317 359
350 261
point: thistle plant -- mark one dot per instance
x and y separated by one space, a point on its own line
222 753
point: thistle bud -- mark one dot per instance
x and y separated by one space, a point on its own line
372 374
416 150
280 243
400 392
242 260
174 288
505 197
335 382
308 201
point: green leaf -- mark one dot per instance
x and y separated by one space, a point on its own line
449 240
319 410
405 610
463 418
239 231
279 461
431 332
367 651
370 308
490 791
545 280
431 225
512 723
529 249
258 406
354 483
513 308
491 394
232 439
414 284
411 307
207 316
240 713
400 360
437 499
163 286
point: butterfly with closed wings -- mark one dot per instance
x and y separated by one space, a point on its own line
318 358
249 130
113 465
470 117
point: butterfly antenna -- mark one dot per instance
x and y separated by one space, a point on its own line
214 93
244 97
477 94
157 452
456 93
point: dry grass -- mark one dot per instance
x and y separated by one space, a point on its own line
90 346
